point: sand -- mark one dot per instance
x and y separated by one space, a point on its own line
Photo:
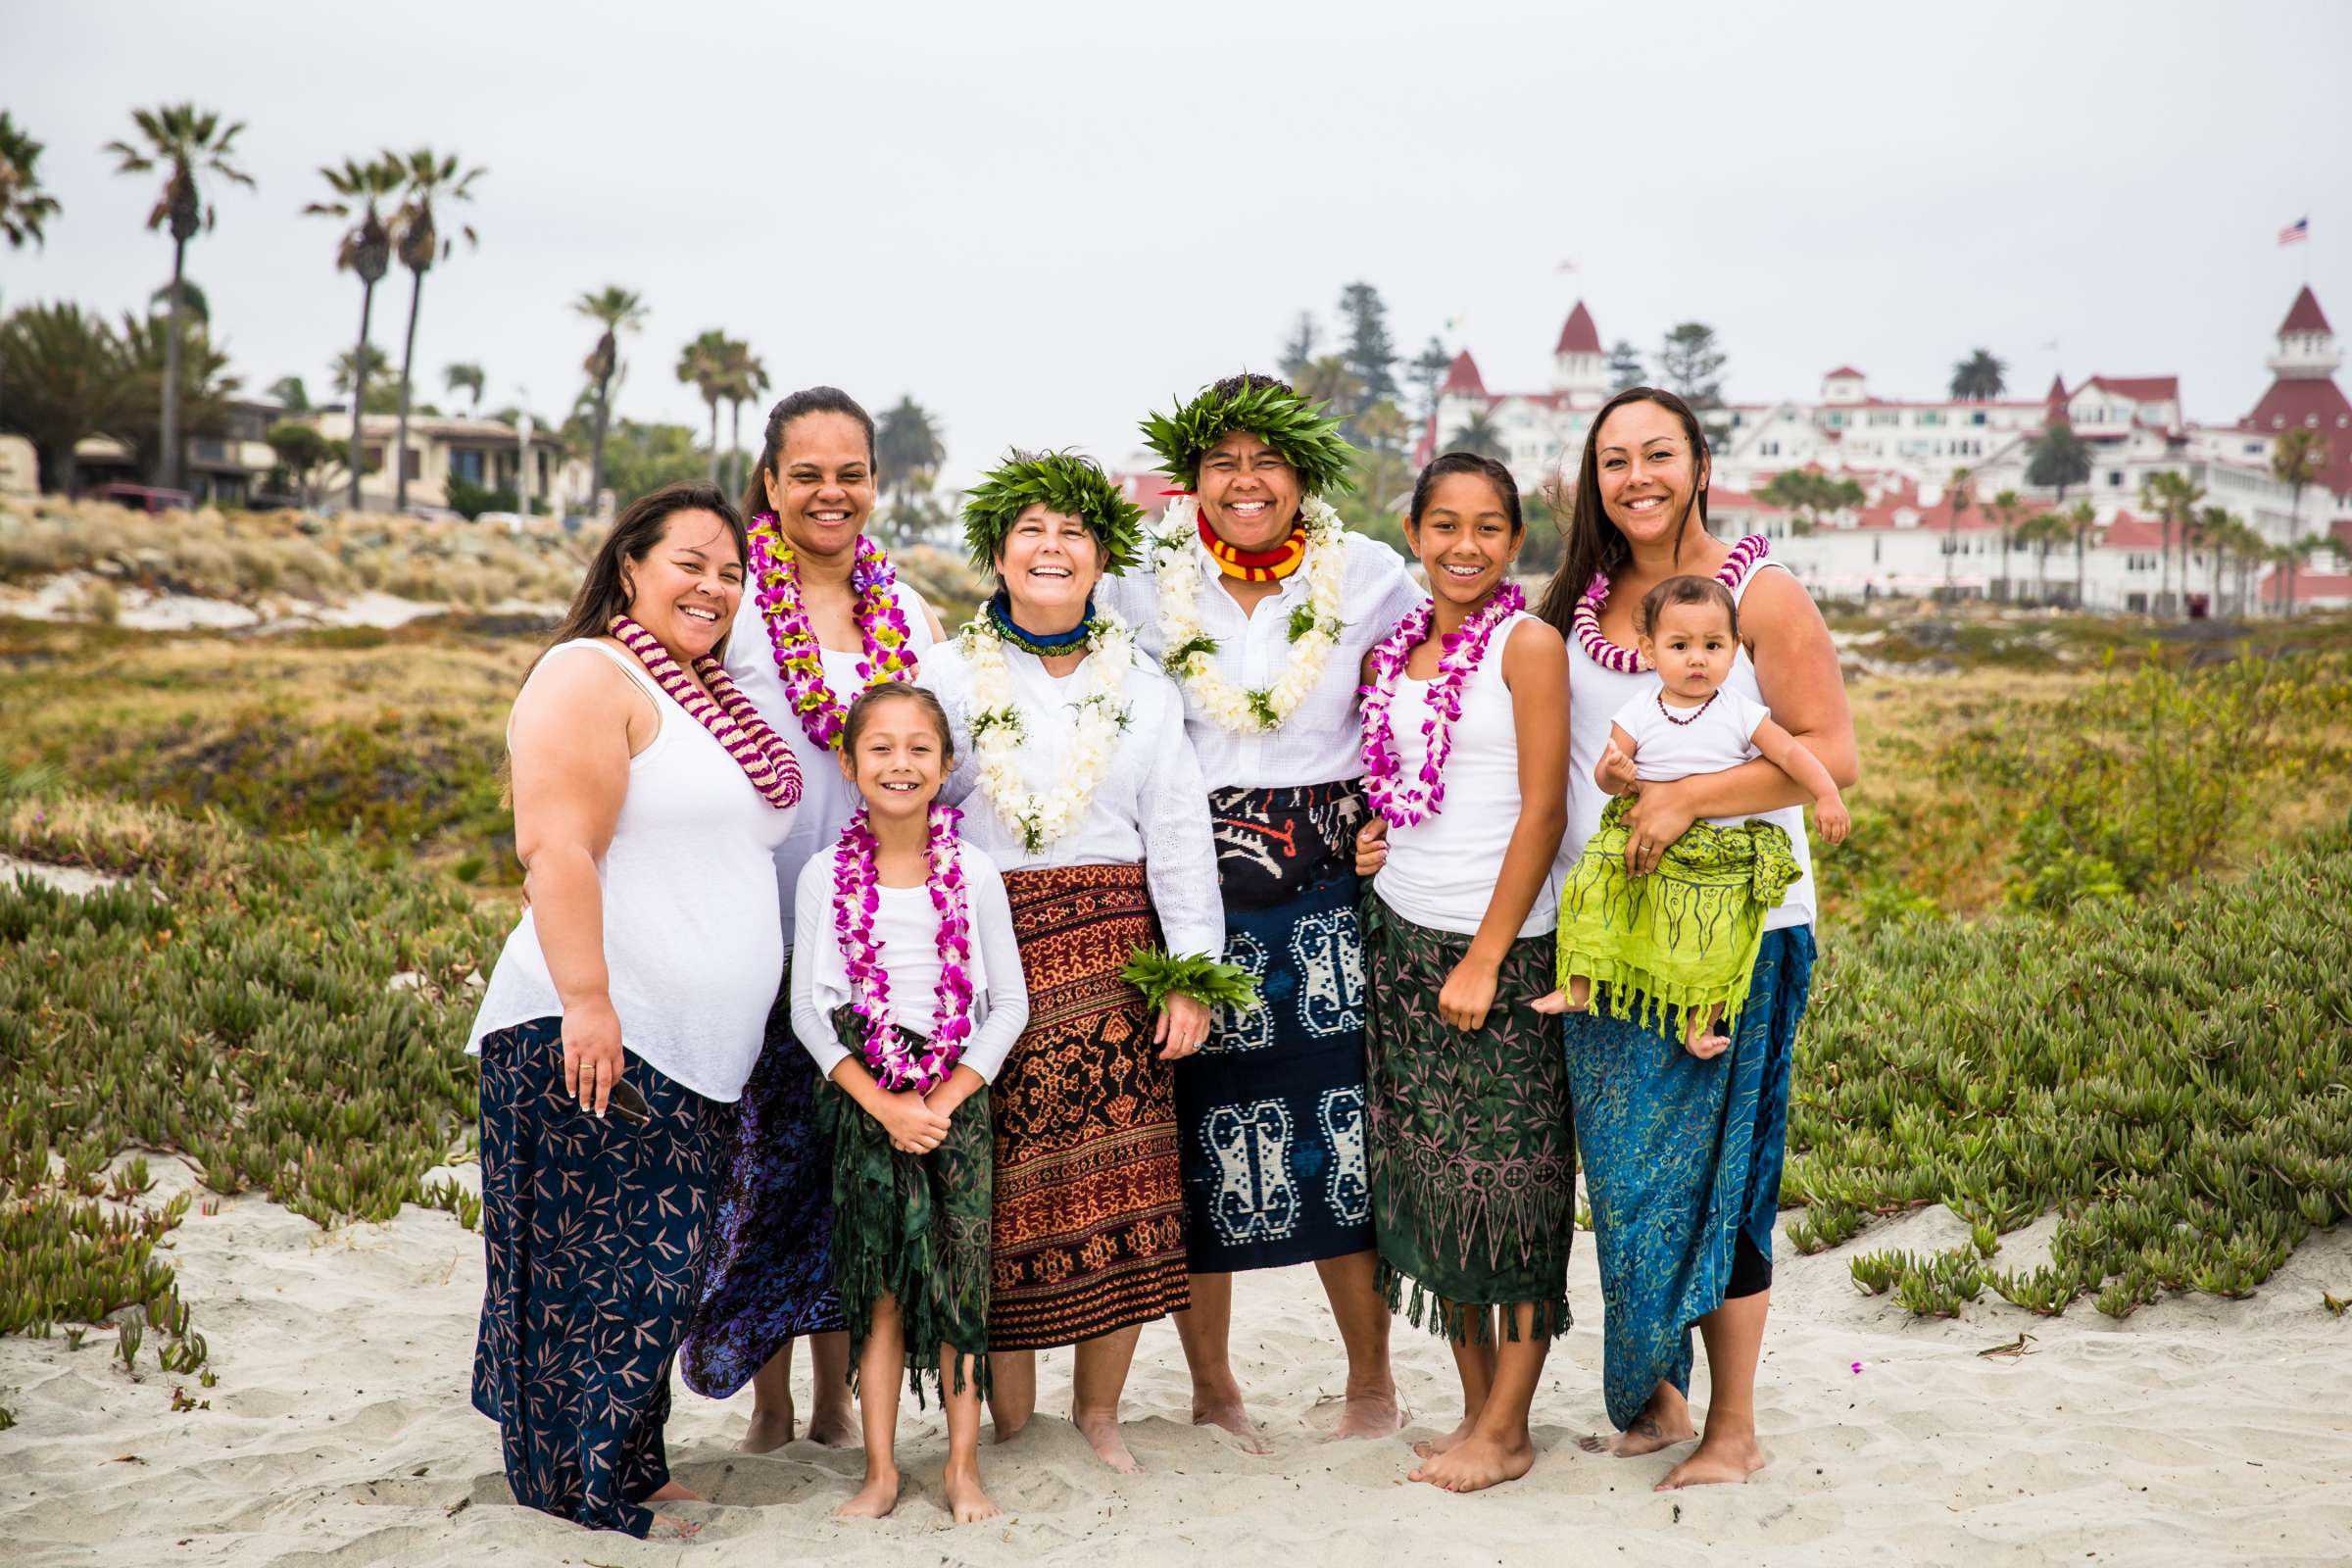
2198 1432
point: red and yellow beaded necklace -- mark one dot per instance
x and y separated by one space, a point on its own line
1255 566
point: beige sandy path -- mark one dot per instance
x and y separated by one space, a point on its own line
2200 1432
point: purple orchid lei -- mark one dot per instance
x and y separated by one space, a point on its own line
856 900
1586 617
763 754
800 658
1460 655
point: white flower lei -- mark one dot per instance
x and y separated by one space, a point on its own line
1041 818
1315 626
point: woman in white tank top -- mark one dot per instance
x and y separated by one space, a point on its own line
1473 1162
626 1010
1683 1219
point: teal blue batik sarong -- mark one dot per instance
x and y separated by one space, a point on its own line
1681 1157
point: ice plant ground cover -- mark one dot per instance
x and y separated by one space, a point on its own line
2083 958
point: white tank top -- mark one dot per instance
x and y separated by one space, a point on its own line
694 939
1441 871
1594 695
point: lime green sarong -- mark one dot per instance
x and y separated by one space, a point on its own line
1685 936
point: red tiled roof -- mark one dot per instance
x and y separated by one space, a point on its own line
2127 532
2291 403
2305 315
2140 388
2309 585
1841 372
1577 335
1462 376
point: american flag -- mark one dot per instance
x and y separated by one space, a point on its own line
2299 230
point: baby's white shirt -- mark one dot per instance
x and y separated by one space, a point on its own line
1722 736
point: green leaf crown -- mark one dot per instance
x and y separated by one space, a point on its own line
1066 483
1301 432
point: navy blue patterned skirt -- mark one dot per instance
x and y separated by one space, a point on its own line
593 1232
1272 1110
770 1273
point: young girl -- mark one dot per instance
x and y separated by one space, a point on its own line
908 996
1466 769
1685 938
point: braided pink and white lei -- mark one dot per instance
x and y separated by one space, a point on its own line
1585 618
895 1065
763 754
1460 655
800 658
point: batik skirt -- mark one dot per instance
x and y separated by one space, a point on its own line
1272 1108
593 1232
769 1277
914 1227
1089 1197
1681 1163
1473 1150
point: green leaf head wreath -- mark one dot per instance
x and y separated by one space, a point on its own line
1301 432
1066 483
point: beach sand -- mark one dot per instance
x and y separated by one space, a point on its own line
2200 1430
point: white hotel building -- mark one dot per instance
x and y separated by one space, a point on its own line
1903 451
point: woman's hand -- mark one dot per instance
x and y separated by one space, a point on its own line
593 1062
914 1128
1657 817
1183 1026
1614 772
1468 992
1372 847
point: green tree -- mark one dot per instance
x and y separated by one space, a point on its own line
745 380
363 249
289 394
1480 434
2081 518
183 141
639 457
2057 459
2212 531
617 309
907 450
1428 375
2174 498
1370 357
200 400
347 372
1963 488
25 207
1328 380
302 450
702 366
1300 352
68 379
1625 367
466 379
2297 459
1812 495
2042 532
1980 377
1692 366
417 239
2006 510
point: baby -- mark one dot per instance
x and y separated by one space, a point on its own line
1683 939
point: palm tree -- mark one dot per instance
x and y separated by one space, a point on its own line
1980 378
201 398
2297 459
69 379
24 205
746 381
289 394
466 379
1812 495
617 311
2174 498
417 240
183 140
365 249
2212 528
1964 496
907 443
2042 530
2005 508
355 368
702 366
2081 518
1480 434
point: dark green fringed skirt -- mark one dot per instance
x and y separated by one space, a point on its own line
914 1227
1473 1146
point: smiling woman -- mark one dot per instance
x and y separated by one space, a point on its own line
626 1007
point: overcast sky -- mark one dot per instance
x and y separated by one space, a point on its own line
1041 221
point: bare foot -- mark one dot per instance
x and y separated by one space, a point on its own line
1222 1408
834 1425
1716 1462
1579 992
1476 1463
670 1527
1368 1416
1707 1046
672 1491
965 1501
874 1500
769 1430
1101 1427
1648 1435
1431 1447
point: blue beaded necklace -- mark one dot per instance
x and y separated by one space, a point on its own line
1045 645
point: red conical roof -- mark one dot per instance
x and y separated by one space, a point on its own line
1462 376
2305 315
1579 335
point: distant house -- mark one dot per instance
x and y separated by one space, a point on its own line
484 453
228 470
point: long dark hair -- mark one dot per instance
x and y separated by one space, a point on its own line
603 592
1485 467
807 400
1595 547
